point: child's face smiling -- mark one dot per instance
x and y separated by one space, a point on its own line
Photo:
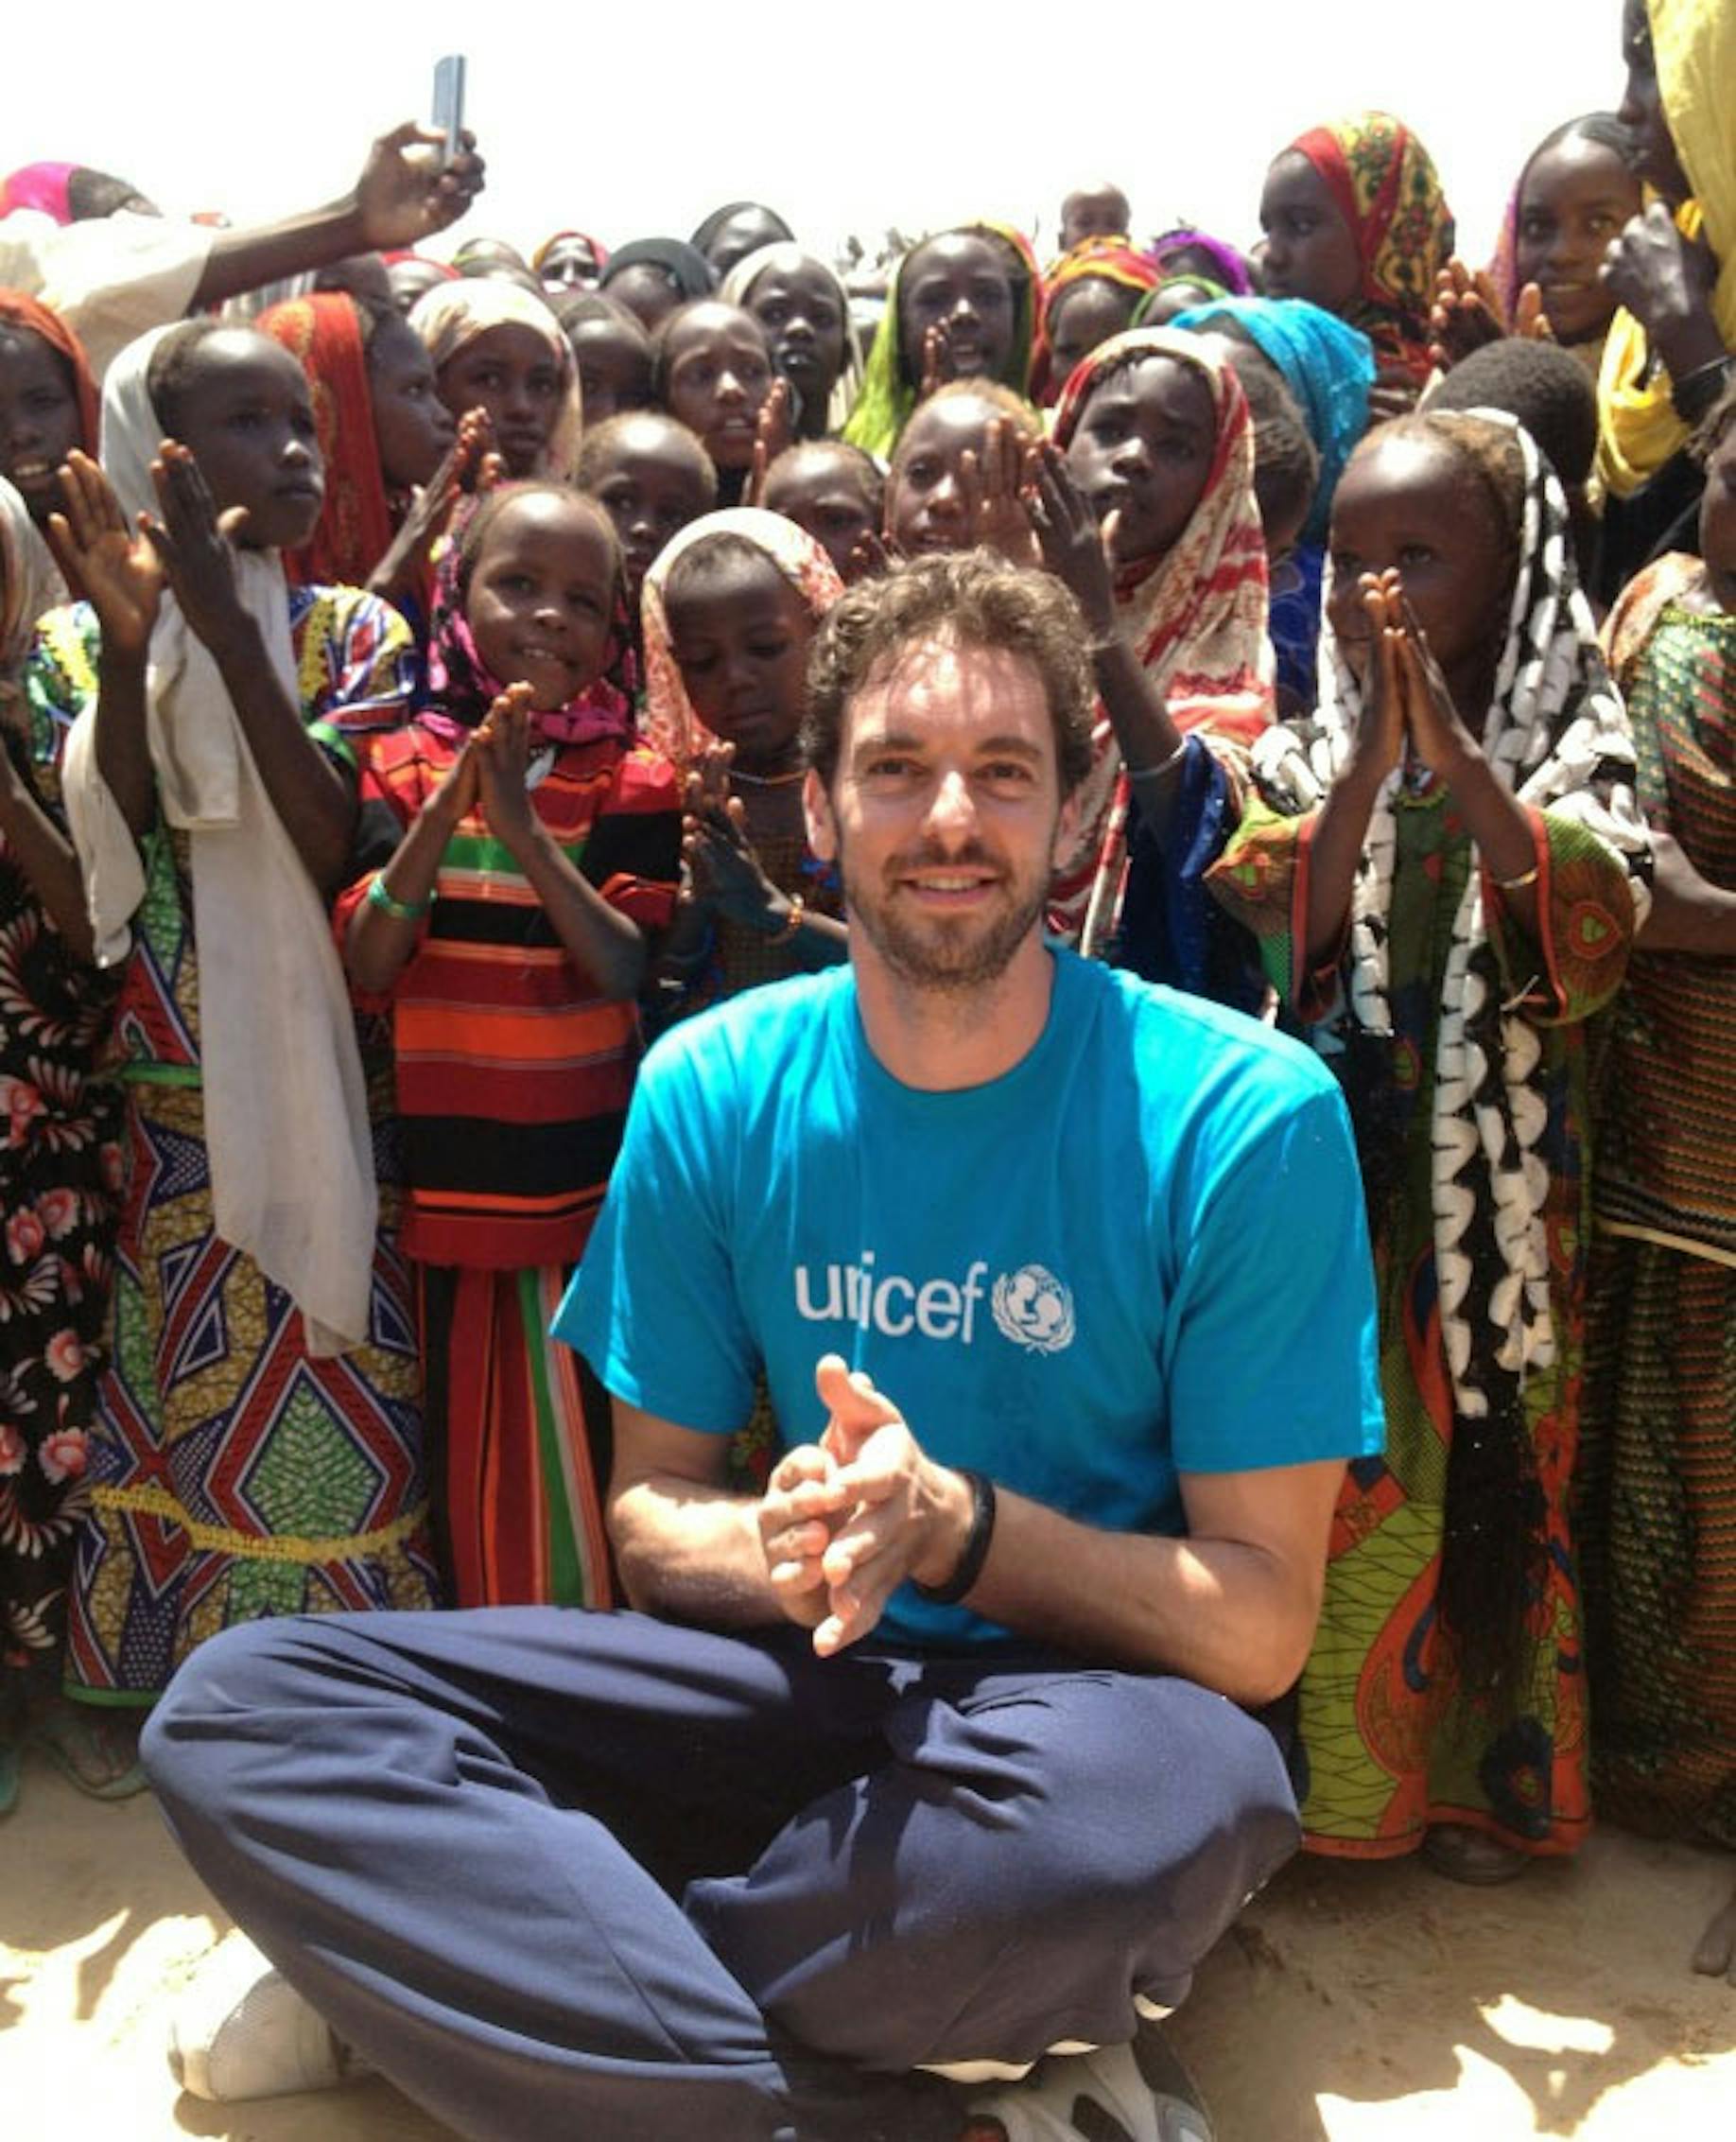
541 596
39 417
1575 199
1143 449
740 632
957 281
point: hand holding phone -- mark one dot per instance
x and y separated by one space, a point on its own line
449 104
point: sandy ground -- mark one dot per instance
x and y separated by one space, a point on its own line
1351 2004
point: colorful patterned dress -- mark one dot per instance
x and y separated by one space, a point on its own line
514 1077
59 1168
1658 1477
1447 1681
1392 1741
232 1475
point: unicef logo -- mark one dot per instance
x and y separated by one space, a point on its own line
1034 1310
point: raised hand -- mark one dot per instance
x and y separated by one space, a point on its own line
992 484
1529 318
470 467
114 566
1074 546
871 555
938 366
459 788
723 871
1437 734
195 546
1466 313
502 748
1380 726
772 430
1663 279
404 194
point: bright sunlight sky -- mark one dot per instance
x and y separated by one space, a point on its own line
922 113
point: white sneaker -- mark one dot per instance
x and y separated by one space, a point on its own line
1137 2093
242 2032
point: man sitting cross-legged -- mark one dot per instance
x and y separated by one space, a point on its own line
944 1754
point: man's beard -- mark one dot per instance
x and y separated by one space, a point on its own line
947 956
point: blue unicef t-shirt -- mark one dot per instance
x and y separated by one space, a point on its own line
1139 1253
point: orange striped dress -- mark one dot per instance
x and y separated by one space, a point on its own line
514 1075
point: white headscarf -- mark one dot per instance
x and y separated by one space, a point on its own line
451 314
286 1106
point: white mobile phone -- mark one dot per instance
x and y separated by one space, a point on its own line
449 103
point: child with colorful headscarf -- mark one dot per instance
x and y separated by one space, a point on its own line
961 304
729 609
209 790
383 431
48 398
1089 294
1157 438
517 847
1444 872
1355 221
1328 368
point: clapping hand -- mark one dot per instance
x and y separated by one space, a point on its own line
116 568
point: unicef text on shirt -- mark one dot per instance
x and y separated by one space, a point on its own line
1031 1307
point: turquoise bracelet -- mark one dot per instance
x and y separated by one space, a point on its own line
400 911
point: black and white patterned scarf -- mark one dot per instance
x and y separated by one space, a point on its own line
1558 735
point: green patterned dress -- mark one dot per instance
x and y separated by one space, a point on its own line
1394 1740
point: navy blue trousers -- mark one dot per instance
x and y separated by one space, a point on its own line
557 1872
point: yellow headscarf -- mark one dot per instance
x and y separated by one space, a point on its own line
1694 46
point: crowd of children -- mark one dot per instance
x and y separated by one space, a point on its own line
403 677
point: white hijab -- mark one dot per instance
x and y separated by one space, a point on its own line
286 1106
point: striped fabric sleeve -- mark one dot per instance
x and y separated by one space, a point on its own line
632 855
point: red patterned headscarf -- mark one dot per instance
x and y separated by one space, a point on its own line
1196 619
323 334
17 311
1386 185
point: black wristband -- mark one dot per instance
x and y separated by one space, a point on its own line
1693 394
976 1546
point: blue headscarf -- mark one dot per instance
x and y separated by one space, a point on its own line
1326 365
